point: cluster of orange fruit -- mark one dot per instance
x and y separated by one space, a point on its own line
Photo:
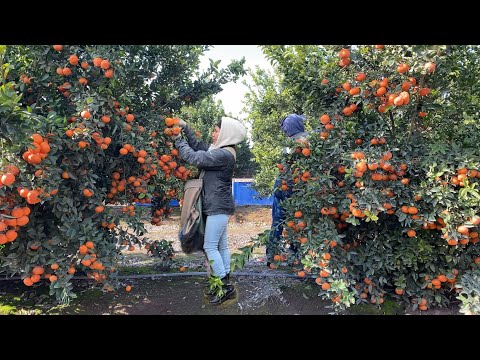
38 152
172 127
13 216
11 221
73 60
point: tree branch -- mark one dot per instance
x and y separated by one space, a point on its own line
392 129
415 111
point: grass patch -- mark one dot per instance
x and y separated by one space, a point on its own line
390 307
304 287
90 294
15 305
7 309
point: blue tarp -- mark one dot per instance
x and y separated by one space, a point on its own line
173 203
243 194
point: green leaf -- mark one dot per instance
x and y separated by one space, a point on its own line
402 216
474 193
352 220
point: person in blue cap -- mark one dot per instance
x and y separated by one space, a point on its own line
293 127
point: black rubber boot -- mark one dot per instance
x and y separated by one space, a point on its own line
229 292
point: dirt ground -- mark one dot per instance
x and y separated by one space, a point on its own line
183 295
248 221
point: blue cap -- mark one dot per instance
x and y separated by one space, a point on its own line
293 124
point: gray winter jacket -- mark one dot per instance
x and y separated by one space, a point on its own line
218 164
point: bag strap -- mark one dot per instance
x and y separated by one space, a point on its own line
232 151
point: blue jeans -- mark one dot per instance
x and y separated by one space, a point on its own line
216 245
278 216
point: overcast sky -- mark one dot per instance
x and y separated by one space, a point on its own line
233 93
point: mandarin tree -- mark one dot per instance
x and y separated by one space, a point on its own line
83 127
386 207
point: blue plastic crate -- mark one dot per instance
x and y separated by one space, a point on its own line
173 203
243 194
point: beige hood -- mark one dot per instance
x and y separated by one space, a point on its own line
232 132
